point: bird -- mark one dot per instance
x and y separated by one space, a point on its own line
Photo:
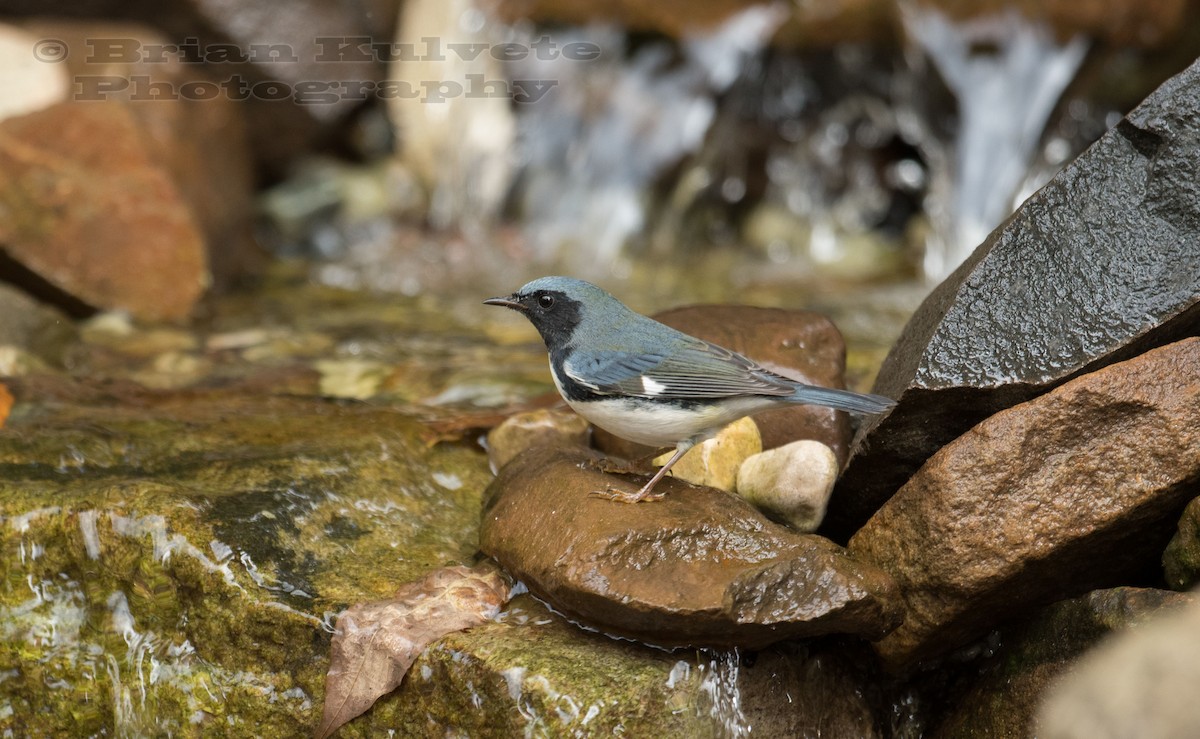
646 382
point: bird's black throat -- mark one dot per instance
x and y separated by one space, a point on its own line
555 323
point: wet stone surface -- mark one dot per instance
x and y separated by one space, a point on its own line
1037 303
699 567
211 532
986 529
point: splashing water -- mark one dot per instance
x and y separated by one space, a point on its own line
720 685
1007 74
590 151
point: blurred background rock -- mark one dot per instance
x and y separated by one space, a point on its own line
863 140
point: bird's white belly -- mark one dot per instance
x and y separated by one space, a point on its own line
655 425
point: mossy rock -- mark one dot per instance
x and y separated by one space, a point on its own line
172 561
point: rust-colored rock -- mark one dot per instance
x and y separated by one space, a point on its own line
802 345
6 403
87 209
1071 491
203 143
699 567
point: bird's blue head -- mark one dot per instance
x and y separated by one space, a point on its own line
556 306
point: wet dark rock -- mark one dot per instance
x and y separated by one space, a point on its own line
1141 683
802 345
1002 698
1073 490
93 219
1181 560
699 567
1101 264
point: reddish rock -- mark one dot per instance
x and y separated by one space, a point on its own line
1069 492
88 210
203 143
700 567
6 402
802 345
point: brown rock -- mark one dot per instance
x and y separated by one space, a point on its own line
1126 23
87 210
802 345
1146 24
699 567
541 427
202 143
1065 493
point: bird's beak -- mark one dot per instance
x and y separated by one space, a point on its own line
509 302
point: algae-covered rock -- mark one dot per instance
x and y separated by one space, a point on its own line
1181 560
172 561
534 674
1002 698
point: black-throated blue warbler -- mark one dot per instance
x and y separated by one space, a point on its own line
648 383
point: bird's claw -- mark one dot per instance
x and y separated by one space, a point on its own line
621 496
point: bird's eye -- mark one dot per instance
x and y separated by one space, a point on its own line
545 301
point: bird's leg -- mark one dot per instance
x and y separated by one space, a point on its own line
645 493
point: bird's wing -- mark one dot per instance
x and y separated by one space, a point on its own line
696 369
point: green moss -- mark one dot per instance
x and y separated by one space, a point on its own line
535 674
167 563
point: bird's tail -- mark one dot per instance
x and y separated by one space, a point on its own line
843 400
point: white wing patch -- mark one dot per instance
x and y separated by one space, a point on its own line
652 388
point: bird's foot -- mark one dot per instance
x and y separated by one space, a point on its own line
622 496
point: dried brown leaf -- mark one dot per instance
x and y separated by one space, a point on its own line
375 643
